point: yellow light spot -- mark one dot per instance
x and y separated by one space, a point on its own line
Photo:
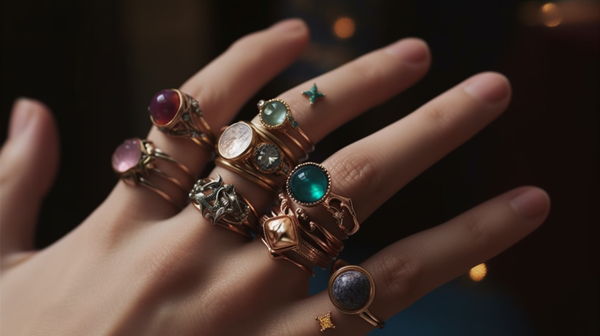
551 15
478 272
344 27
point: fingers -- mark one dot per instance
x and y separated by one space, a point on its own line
374 168
221 88
412 267
28 164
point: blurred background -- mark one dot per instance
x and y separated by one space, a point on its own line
96 64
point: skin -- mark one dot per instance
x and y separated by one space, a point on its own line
138 266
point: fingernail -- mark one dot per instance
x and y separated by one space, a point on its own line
489 87
410 50
531 204
21 116
288 25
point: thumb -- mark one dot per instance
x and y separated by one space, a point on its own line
28 164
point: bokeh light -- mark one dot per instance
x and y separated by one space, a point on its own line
344 27
478 272
551 15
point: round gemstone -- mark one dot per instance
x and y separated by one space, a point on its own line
127 155
267 157
164 106
351 290
308 184
235 140
274 113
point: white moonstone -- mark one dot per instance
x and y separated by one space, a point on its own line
235 140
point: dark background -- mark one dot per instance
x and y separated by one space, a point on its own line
96 64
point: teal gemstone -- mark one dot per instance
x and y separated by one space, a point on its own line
308 184
274 113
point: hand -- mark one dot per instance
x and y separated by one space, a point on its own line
137 266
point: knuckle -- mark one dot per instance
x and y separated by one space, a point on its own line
398 274
440 116
355 174
368 71
475 230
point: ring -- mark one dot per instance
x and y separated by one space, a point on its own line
352 290
309 184
254 154
275 114
283 233
178 114
134 160
223 205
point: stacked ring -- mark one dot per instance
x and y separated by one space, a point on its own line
178 114
224 206
352 290
286 238
135 159
254 154
309 184
275 114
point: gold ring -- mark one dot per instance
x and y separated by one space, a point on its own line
224 206
276 114
352 290
309 184
135 159
178 114
254 154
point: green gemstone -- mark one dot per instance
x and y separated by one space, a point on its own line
274 113
308 184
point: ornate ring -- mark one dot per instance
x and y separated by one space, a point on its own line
223 205
178 114
275 114
352 290
309 184
254 154
286 230
135 159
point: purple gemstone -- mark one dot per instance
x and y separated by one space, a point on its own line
164 106
127 155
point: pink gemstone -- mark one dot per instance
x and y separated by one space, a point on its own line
164 106
127 155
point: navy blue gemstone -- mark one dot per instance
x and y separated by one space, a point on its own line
351 290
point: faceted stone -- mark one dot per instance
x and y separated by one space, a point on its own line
308 184
267 157
127 155
164 106
351 290
235 140
274 113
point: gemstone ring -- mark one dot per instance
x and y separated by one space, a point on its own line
135 159
309 184
223 205
178 114
260 157
352 290
275 114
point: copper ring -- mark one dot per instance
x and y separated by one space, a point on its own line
352 290
254 154
276 115
224 206
178 114
135 159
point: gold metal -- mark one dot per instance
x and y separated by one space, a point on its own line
138 175
288 126
224 206
189 123
363 311
325 322
246 165
338 212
